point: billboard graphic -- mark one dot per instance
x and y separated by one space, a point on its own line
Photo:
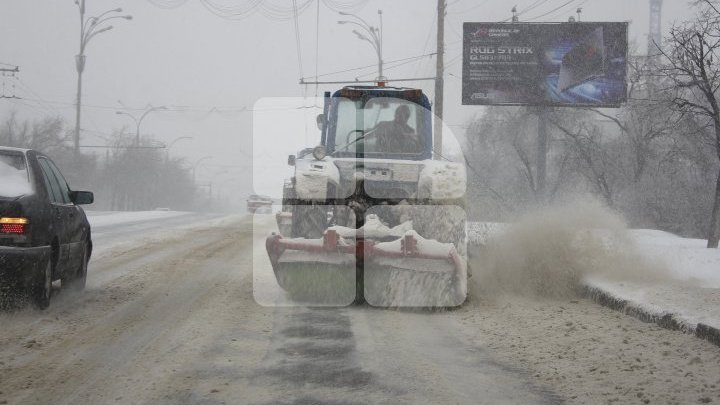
557 64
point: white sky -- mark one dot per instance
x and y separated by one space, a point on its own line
187 56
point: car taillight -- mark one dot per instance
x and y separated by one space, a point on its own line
16 226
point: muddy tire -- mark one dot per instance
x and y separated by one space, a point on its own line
77 280
42 290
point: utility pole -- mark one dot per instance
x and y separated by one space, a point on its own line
541 154
439 81
655 34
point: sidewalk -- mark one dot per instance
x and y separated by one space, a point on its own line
686 299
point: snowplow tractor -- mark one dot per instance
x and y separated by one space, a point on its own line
370 214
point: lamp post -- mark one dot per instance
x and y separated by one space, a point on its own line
89 28
138 121
374 36
167 148
197 164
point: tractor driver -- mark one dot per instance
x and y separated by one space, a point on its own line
397 136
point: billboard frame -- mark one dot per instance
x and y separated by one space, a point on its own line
545 101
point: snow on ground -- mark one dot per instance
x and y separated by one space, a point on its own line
687 259
110 218
687 286
690 288
114 232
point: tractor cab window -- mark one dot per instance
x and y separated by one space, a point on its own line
380 125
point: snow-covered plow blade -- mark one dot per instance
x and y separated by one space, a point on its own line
409 271
314 271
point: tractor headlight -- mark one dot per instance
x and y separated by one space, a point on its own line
319 152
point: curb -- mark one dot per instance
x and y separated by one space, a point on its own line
666 320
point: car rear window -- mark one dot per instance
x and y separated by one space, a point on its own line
14 179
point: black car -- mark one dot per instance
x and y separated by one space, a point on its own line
44 233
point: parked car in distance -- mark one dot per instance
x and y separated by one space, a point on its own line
259 204
44 233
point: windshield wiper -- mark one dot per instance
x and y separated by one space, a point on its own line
359 138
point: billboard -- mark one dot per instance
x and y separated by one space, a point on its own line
545 64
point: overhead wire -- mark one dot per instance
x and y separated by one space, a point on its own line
297 38
427 42
471 8
371 66
52 110
168 4
317 45
345 6
532 6
230 12
385 67
551 11
278 11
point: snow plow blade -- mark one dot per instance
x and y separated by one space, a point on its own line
407 272
311 272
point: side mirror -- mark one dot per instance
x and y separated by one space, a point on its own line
320 120
82 197
291 160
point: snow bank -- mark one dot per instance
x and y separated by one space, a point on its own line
686 259
686 298
548 251
112 218
653 275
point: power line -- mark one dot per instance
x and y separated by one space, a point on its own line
551 11
238 10
297 38
427 42
533 6
317 44
390 67
472 8
368 66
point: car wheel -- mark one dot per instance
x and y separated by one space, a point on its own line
43 287
77 280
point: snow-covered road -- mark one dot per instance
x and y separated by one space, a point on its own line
169 316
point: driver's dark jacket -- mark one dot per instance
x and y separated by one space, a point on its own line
395 137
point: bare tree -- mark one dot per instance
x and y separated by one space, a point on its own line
646 117
592 155
691 65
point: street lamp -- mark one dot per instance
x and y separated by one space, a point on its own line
167 148
374 36
138 121
196 165
89 28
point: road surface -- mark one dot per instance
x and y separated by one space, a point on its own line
172 318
